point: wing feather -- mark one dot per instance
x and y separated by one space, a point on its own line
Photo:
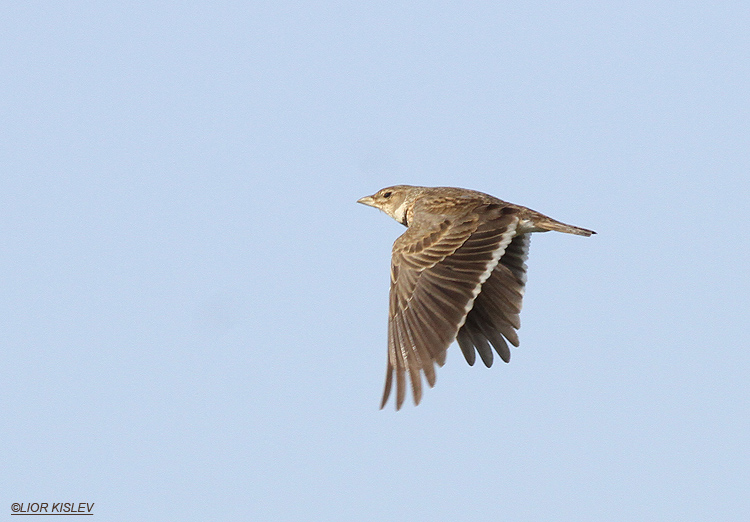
494 318
437 271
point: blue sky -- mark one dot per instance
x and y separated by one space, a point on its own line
193 307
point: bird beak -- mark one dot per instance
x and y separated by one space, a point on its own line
367 200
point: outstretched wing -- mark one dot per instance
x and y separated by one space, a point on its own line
437 271
495 314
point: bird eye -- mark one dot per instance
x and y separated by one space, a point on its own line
386 194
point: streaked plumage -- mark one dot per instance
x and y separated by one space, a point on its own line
457 273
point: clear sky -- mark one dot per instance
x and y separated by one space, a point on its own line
193 307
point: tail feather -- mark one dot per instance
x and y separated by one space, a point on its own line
557 226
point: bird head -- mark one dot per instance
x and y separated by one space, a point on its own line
394 201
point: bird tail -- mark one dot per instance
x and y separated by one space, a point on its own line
557 226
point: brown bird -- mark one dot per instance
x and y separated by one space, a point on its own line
457 273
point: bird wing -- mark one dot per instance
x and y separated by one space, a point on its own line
495 314
437 270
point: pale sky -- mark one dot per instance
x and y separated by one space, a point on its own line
193 307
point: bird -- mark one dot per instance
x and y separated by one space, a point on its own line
458 273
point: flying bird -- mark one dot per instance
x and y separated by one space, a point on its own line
457 273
